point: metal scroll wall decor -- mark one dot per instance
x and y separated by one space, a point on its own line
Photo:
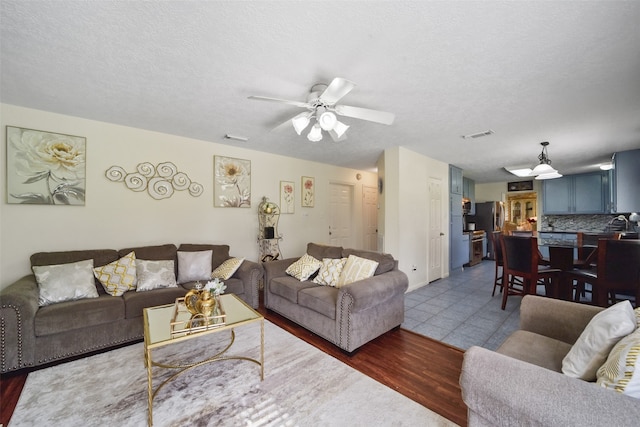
159 181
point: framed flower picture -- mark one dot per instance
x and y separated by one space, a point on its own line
45 168
232 182
308 191
287 197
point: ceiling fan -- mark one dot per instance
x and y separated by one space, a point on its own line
322 105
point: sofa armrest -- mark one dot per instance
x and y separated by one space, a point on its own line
18 307
250 273
374 290
503 391
554 318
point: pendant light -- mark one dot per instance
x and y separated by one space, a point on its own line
544 167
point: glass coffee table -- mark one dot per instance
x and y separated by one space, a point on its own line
160 330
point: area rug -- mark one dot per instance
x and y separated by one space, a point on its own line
303 386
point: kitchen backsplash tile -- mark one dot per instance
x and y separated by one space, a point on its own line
574 222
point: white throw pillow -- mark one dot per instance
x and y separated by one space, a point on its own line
355 269
303 268
596 341
194 266
227 268
155 275
621 371
330 271
119 276
65 282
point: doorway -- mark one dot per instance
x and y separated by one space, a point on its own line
370 217
435 230
341 215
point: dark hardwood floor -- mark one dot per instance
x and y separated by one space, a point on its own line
423 369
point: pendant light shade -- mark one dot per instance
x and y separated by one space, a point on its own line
327 120
544 166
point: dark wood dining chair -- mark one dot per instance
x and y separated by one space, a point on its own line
618 271
497 253
586 263
522 270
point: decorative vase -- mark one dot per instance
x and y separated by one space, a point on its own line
205 304
192 297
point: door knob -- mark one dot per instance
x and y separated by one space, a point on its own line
441 233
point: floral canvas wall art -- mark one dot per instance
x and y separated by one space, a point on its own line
287 198
45 168
308 191
232 182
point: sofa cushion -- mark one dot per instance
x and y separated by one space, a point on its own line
323 251
220 253
194 265
118 276
621 371
356 269
604 331
385 261
288 287
155 253
330 271
136 301
304 267
155 274
225 270
72 315
321 299
65 282
536 349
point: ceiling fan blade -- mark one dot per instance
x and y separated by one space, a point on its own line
283 101
365 114
338 88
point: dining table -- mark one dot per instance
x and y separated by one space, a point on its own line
562 256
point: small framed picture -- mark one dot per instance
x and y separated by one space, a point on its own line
308 191
287 197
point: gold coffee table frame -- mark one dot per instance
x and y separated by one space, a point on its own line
157 333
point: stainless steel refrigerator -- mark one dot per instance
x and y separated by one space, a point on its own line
489 217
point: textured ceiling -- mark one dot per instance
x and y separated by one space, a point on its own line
564 72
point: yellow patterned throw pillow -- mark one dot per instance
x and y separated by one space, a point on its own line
621 371
119 276
303 268
227 268
330 271
355 269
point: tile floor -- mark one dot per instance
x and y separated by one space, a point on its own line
460 311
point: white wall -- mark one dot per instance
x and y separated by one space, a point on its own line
116 217
406 206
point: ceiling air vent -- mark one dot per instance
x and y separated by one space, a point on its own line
478 135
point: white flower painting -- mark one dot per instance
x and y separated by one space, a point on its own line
232 182
45 168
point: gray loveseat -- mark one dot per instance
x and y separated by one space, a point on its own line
349 316
31 335
521 384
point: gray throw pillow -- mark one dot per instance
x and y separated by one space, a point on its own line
65 282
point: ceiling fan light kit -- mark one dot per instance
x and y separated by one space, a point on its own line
321 104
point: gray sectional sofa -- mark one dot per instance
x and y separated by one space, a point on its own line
31 335
522 384
349 316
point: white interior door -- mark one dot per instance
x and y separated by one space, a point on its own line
341 214
370 214
435 230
